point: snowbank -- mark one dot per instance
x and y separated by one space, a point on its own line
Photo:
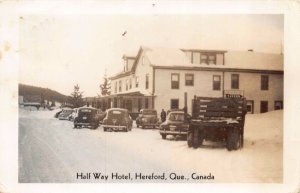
55 151
265 126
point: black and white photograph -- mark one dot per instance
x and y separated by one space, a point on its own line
149 99
110 95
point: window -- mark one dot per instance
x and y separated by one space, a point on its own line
116 86
278 105
235 81
120 85
174 103
136 81
126 84
175 81
208 58
203 59
115 102
130 83
263 106
216 82
189 79
147 81
250 106
264 82
146 103
212 59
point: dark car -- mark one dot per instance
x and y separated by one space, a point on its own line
174 125
64 115
87 117
147 118
117 119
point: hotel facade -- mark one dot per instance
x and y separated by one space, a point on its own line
157 78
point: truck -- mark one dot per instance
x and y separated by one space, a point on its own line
217 119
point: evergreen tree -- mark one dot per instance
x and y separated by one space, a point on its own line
105 86
76 97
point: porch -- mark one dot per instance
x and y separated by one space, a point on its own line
133 102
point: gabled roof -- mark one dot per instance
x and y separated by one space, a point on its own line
170 57
121 74
162 57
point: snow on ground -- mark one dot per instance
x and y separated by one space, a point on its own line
50 150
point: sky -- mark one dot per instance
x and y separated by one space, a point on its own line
59 51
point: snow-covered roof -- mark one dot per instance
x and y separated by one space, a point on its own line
135 91
171 57
160 56
237 60
253 60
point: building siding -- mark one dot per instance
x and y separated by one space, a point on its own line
203 86
249 83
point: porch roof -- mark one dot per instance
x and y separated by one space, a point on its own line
130 93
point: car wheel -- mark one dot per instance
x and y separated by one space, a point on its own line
143 126
104 129
196 140
233 140
137 125
163 136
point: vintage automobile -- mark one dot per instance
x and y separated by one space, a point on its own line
147 118
87 117
73 115
174 125
117 119
57 113
64 115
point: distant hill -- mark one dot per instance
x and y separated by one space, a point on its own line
35 94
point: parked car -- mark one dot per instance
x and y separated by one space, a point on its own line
87 117
64 115
147 118
57 114
117 119
73 115
174 125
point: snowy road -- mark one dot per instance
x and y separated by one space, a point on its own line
50 150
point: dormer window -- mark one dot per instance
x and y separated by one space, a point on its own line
208 58
130 83
136 81
205 57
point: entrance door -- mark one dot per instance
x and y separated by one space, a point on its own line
263 106
129 105
250 105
